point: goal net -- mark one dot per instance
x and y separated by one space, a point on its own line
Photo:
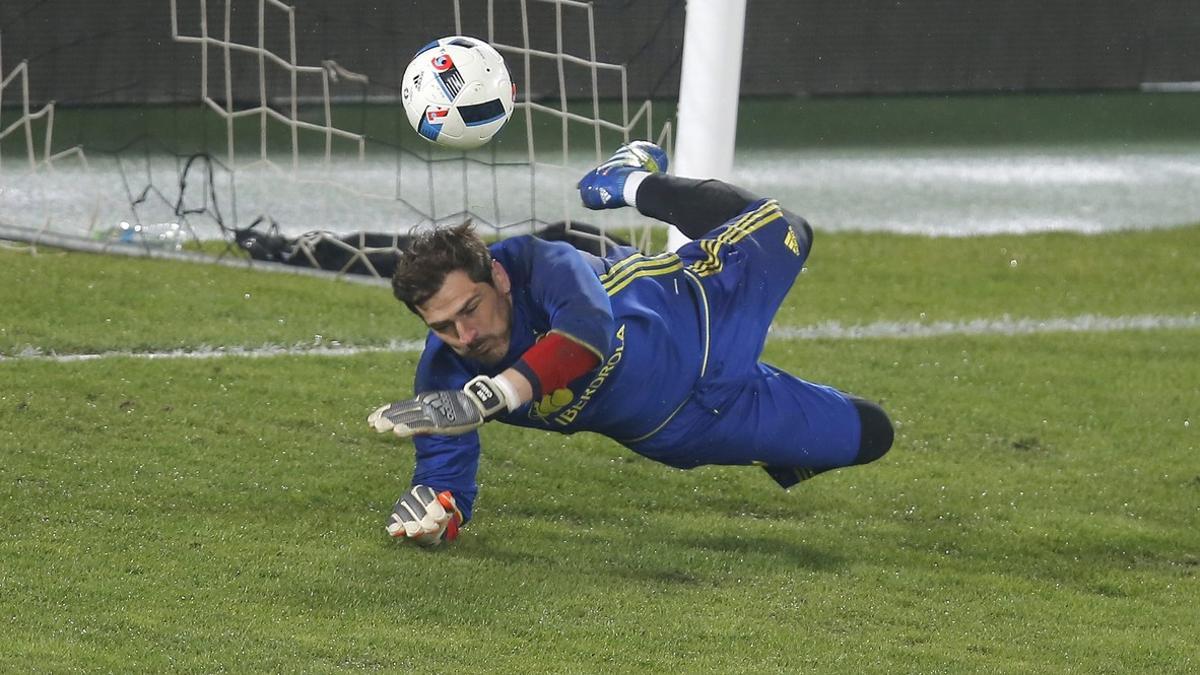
292 131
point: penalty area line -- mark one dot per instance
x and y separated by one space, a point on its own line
832 330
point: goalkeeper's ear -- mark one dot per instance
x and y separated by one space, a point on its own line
500 279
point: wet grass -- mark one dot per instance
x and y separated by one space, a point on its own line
72 302
1037 514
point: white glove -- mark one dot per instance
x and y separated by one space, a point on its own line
445 412
425 517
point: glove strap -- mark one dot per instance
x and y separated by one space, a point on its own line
488 395
512 399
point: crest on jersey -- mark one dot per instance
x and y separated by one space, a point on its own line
550 404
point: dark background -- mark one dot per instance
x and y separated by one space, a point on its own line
83 52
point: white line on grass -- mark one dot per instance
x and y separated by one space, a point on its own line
1005 325
393 347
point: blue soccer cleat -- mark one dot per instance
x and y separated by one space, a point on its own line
604 186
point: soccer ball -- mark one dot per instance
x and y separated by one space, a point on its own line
457 92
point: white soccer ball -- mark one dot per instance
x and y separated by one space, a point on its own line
457 92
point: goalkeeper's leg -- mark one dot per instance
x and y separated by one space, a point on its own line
793 428
695 207
636 175
746 268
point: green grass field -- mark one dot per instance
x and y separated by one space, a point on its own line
1039 512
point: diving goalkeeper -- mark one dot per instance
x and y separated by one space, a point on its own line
658 352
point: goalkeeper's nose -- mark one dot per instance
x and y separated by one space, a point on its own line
468 335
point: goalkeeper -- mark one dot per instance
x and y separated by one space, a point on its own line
658 352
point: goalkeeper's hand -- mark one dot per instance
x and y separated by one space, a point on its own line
425 517
605 186
446 412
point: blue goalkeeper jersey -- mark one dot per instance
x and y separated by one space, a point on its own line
644 315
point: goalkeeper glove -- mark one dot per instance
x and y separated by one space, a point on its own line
425 517
608 186
444 412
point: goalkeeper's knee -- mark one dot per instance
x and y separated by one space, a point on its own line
877 432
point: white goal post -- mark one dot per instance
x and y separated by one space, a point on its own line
709 85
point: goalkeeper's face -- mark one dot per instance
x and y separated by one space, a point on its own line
473 317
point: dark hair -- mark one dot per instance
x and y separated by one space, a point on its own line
433 254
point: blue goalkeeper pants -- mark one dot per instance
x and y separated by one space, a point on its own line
743 411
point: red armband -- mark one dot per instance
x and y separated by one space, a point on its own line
554 362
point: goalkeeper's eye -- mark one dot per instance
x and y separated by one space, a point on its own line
450 326
444 327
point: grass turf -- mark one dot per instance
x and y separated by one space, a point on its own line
1037 514
70 302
